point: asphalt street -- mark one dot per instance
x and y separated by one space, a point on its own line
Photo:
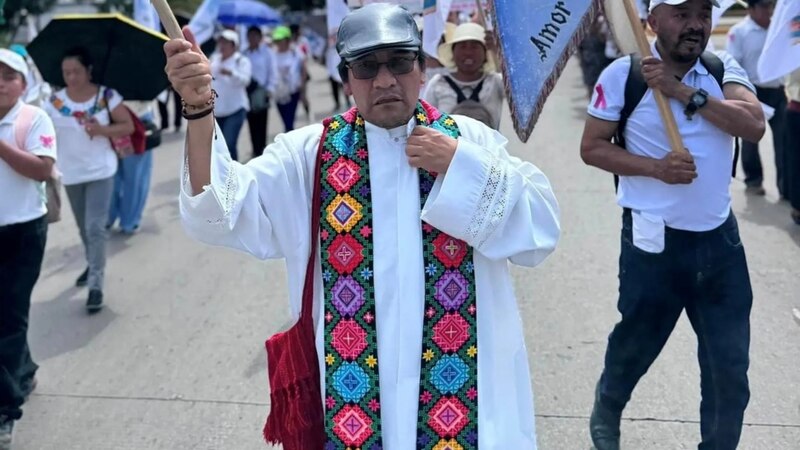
176 360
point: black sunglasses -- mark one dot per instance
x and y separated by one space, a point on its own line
397 65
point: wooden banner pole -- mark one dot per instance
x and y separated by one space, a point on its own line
675 140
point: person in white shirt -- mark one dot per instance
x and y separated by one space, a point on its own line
264 75
27 154
680 248
746 42
291 73
232 72
401 204
472 78
301 44
87 116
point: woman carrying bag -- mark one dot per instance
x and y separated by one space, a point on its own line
87 117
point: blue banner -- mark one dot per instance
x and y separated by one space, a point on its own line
537 38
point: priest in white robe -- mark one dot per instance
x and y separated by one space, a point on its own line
503 208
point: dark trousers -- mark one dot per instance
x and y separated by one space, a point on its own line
705 274
257 123
289 111
751 160
231 126
20 262
164 113
793 156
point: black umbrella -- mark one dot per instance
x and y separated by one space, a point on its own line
127 56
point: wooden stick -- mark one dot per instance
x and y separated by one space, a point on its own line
167 19
479 5
675 140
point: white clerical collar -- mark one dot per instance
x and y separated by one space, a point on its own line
401 132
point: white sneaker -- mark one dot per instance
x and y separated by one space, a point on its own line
6 433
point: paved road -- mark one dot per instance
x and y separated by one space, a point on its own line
176 360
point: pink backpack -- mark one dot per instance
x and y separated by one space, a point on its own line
22 126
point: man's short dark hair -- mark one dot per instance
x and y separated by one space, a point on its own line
255 29
345 75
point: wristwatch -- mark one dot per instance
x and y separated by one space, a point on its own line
697 101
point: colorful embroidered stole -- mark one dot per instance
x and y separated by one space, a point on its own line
448 403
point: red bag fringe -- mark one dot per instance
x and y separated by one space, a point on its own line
296 418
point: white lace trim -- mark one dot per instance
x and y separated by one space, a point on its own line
492 205
228 197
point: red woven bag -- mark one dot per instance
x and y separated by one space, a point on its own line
296 419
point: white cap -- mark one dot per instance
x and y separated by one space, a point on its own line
655 3
231 36
13 60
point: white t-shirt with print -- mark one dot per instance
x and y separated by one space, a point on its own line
23 198
705 203
81 158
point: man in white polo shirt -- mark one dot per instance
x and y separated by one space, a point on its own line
680 242
27 154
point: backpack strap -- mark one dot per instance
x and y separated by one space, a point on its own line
714 65
476 92
716 68
23 124
635 88
460 97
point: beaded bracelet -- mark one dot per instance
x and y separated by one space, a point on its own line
185 108
199 115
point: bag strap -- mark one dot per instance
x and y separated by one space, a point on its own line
460 97
714 65
23 124
307 309
477 91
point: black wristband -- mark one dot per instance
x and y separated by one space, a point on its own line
199 115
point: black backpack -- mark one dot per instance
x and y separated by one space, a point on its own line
636 87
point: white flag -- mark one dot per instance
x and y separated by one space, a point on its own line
337 9
717 13
436 13
781 53
145 14
204 21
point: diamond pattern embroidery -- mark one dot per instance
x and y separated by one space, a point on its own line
352 425
449 374
451 290
451 332
349 339
449 250
448 417
343 174
345 253
343 213
351 382
348 296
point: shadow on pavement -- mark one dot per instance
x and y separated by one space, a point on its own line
74 328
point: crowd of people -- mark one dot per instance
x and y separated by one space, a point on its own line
481 208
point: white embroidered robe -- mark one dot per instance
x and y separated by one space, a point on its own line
502 206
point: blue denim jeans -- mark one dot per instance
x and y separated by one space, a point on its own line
131 187
231 126
706 274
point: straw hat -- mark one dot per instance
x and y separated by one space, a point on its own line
465 32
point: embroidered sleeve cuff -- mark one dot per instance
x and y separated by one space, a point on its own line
463 201
211 207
